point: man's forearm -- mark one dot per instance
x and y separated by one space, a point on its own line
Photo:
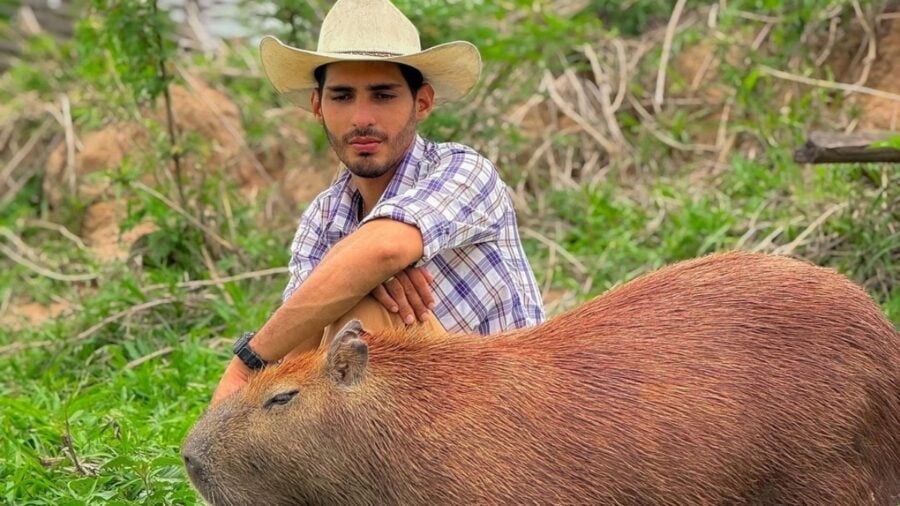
352 269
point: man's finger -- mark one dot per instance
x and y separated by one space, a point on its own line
382 296
422 285
395 289
420 308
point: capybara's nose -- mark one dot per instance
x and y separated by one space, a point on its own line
193 465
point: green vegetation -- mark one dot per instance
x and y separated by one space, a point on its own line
99 389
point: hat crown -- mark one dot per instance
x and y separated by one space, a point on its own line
374 27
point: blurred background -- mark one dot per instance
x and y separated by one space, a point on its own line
151 181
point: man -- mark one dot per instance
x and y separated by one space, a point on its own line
427 230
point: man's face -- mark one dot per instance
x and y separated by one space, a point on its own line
370 114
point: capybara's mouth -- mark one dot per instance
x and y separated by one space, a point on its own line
212 494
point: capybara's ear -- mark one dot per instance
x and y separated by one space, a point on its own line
347 356
353 328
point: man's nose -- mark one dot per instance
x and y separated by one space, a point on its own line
363 115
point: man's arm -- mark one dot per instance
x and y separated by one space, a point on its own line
352 269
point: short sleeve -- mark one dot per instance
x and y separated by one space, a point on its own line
461 202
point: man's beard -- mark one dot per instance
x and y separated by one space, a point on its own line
365 166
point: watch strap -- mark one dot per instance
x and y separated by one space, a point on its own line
245 353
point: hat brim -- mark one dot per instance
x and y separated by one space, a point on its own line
452 69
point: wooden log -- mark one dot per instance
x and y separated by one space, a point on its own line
834 147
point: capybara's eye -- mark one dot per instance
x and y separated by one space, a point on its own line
281 398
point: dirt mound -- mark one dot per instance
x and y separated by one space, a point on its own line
201 113
23 314
877 112
206 118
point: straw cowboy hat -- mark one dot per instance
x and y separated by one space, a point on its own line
370 30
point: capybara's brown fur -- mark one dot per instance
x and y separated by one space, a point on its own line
735 378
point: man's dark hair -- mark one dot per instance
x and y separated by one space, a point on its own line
411 75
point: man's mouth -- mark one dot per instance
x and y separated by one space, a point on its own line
365 144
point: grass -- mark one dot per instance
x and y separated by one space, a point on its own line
95 403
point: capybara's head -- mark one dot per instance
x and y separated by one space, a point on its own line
279 431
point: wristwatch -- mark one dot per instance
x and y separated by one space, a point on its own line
245 353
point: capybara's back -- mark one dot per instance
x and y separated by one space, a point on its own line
731 379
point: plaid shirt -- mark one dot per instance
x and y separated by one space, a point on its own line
455 197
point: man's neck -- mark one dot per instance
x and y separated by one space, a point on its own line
371 189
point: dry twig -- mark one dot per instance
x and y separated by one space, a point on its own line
563 252
622 60
69 278
58 228
789 248
577 118
4 301
70 451
146 358
210 282
193 221
214 275
832 35
752 16
666 52
63 115
871 41
602 92
650 124
22 247
118 316
853 88
18 346
24 151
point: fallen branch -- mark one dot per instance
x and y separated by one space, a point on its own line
830 147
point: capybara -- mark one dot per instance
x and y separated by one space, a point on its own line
735 378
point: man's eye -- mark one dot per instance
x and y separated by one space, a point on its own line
340 98
384 96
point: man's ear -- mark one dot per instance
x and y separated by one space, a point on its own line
348 355
424 102
315 100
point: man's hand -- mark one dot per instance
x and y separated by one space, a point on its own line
236 376
407 293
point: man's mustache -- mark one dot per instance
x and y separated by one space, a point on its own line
364 132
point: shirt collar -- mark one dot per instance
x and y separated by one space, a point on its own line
408 172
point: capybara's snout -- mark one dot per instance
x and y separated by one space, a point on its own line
193 455
194 465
